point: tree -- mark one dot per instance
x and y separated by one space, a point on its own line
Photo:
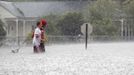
129 11
70 23
129 8
2 31
124 2
52 21
100 16
46 0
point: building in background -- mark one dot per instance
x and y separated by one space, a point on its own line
20 17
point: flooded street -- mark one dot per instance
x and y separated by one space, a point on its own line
72 59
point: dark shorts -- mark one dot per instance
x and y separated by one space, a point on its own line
42 47
35 49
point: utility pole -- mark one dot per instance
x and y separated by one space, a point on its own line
122 28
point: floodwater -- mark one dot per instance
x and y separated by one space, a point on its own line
70 59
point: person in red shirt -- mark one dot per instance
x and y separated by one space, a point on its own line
43 35
42 24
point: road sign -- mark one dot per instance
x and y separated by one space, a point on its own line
83 28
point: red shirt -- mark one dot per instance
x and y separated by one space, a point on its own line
42 34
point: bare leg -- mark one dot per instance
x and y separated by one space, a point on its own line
38 49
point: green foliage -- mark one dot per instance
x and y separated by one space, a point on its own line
2 31
29 38
100 16
104 27
126 2
42 0
52 21
129 8
129 11
70 23
102 9
20 0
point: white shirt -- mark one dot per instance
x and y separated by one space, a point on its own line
36 41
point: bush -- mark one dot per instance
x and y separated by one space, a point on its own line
70 23
52 21
101 14
2 31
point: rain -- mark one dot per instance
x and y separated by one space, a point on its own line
81 37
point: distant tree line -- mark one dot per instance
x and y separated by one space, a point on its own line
46 0
67 24
100 14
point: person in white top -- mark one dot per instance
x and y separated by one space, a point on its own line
37 38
